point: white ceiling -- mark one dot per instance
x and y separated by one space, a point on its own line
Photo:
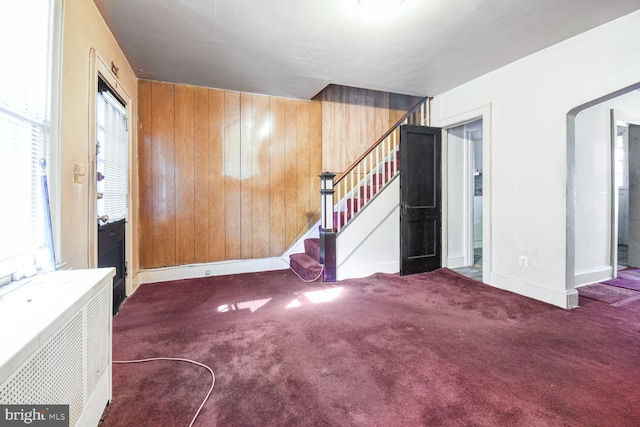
294 48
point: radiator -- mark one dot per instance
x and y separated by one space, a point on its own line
56 343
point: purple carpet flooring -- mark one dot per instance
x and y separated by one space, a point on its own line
629 278
433 349
606 293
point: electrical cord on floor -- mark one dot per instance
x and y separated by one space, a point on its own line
177 359
312 280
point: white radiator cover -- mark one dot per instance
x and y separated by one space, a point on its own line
56 343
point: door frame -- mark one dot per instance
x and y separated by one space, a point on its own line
99 69
631 119
447 123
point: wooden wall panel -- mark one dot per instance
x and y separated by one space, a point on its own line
277 176
145 177
353 119
315 161
184 174
291 195
260 183
224 175
163 174
302 166
232 174
217 206
201 175
336 155
246 184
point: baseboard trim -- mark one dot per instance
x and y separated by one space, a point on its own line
213 268
563 299
594 276
455 262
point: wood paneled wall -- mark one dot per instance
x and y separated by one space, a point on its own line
353 119
223 175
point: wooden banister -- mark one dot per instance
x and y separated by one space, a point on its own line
382 138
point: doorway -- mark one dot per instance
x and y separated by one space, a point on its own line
622 186
112 184
465 198
625 177
600 194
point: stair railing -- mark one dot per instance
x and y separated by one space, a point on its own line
373 170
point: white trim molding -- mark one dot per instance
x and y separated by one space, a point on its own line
566 299
222 268
594 276
483 113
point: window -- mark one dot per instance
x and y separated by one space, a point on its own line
112 163
26 31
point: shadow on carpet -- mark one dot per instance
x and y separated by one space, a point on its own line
427 349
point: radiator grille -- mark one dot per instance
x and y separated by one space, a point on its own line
98 343
53 375
67 368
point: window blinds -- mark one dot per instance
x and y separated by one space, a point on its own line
112 157
26 34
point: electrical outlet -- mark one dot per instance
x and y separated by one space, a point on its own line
524 261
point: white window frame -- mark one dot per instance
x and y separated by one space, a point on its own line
52 128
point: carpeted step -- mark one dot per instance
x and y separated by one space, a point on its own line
306 267
312 248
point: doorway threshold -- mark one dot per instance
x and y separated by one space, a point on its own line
473 273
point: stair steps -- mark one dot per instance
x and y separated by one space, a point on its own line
307 265
375 183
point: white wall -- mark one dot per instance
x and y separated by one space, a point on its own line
371 243
593 187
529 100
83 30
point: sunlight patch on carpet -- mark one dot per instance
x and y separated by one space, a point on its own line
253 305
317 297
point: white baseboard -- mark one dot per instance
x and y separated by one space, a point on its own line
211 269
455 262
594 276
563 299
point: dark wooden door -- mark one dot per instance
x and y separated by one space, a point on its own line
420 199
111 253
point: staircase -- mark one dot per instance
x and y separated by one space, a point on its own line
307 265
357 187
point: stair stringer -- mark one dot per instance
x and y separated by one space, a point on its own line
371 242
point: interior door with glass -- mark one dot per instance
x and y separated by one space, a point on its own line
112 183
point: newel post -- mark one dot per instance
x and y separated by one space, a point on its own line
327 233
